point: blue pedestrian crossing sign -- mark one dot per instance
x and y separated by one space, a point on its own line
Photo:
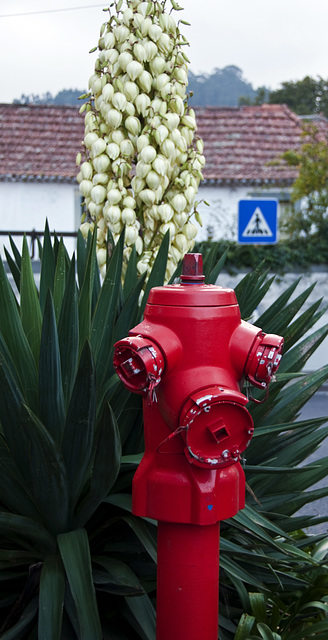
258 221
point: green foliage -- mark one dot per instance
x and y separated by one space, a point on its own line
61 446
305 97
74 562
310 186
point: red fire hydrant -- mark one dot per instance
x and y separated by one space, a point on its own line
189 359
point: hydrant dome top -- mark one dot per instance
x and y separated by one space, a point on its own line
189 295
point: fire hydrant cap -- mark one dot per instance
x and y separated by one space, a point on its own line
217 427
188 295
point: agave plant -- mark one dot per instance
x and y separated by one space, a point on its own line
74 561
65 570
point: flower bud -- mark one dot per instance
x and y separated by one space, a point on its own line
180 219
165 212
131 234
150 50
168 226
109 40
139 245
137 184
98 194
100 178
101 163
90 138
133 125
113 150
124 59
153 180
180 242
127 148
161 134
119 101
164 43
112 214
121 33
190 231
86 170
114 196
114 118
172 121
142 142
107 92
111 56
134 69
168 149
139 52
145 81
157 65
101 257
130 90
142 103
160 165
147 196
142 169
128 216
179 202
147 154
85 187
85 228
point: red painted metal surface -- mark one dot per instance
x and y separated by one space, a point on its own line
189 358
187 582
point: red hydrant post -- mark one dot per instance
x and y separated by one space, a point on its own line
189 359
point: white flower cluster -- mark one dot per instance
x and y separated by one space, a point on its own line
142 166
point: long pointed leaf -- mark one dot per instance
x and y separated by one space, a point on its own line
47 267
75 553
15 338
79 429
14 491
51 599
60 278
48 473
106 465
85 300
27 531
157 274
68 333
30 307
51 397
105 312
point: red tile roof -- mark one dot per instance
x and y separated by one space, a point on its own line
239 142
41 142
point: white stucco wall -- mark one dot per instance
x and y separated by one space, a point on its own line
25 206
222 214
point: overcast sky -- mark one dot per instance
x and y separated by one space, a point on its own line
271 42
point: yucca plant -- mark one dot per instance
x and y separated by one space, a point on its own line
74 562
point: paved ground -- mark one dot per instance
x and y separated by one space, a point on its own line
317 407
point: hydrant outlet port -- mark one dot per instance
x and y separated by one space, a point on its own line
139 363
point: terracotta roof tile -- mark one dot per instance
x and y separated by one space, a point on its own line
239 142
41 142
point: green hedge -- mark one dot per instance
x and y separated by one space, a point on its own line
286 255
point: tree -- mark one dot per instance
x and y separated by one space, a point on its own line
311 185
304 97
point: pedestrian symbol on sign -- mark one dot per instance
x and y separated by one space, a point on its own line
257 221
257 225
